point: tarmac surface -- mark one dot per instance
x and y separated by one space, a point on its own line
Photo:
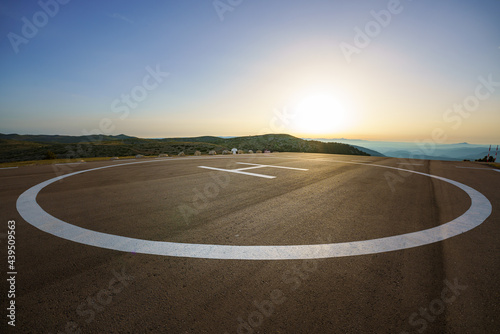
263 243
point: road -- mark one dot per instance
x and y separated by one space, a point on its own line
229 244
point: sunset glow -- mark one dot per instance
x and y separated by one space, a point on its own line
320 114
364 69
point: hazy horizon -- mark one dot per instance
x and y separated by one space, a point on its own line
394 71
305 138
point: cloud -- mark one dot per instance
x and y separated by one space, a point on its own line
121 17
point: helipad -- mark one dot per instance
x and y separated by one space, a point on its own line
29 209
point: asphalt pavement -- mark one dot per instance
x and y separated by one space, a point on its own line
262 243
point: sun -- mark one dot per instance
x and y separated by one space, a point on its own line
319 114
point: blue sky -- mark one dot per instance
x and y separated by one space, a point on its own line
240 74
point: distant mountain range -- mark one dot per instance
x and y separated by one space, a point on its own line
14 147
431 151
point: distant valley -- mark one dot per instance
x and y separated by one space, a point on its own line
431 151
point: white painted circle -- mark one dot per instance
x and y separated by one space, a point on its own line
29 209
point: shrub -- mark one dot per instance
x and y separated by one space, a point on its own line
50 155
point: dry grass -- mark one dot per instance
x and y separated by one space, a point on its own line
62 161
55 161
495 165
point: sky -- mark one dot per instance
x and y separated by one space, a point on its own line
393 70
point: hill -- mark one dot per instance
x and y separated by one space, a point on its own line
38 147
276 142
373 153
62 139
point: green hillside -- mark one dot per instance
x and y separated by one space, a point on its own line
276 142
62 139
39 147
